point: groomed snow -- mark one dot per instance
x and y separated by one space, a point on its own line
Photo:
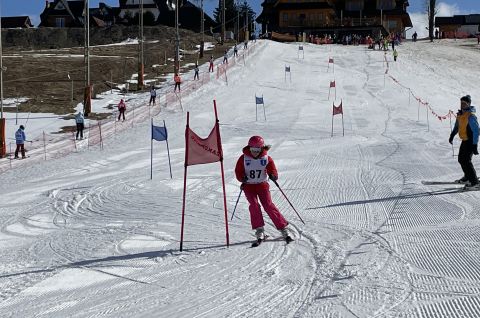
90 235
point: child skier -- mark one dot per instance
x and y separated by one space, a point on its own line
253 169
210 67
122 107
466 126
178 81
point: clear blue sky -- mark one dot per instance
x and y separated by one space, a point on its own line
33 8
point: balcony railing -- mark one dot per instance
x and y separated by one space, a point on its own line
303 23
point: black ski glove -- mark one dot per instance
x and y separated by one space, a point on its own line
242 186
450 140
273 177
475 149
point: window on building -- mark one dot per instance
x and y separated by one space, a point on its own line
392 24
386 4
60 22
354 5
285 17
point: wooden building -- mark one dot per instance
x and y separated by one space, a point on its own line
335 17
458 26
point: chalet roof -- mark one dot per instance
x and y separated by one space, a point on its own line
16 22
472 19
303 5
455 20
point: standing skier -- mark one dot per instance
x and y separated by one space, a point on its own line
153 96
79 120
225 57
122 107
196 76
466 126
20 141
253 169
178 80
210 67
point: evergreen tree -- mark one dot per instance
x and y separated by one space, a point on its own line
230 14
245 10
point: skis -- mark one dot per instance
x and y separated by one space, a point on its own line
257 243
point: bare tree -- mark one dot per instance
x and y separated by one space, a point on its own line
431 9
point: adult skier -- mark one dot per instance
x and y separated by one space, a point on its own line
253 169
20 141
466 125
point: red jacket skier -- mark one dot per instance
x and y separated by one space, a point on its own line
253 169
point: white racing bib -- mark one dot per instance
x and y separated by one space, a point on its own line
255 169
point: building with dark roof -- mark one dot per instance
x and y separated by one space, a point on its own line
365 17
16 22
458 26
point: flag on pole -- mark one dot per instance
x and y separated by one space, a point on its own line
332 84
259 100
203 150
159 133
337 109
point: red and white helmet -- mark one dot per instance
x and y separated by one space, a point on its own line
256 141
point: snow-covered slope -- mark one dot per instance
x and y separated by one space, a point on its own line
90 235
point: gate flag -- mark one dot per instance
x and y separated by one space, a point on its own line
337 109
159 133
201 150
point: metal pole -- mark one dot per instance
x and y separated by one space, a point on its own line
177 40
140 51
88 42
1 70
238 23
223 21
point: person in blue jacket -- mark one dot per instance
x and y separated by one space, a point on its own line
20 141
79 120
466 125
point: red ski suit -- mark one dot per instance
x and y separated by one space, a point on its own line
255 191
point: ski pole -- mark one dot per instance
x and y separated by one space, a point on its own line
276 183
238 199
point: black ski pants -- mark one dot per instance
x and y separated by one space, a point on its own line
80 127
465 160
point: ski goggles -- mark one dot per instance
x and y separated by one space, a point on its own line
255 149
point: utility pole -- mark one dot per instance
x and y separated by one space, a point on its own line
177 41
87 102
140 49
202 29
223 21
238 22
3 147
